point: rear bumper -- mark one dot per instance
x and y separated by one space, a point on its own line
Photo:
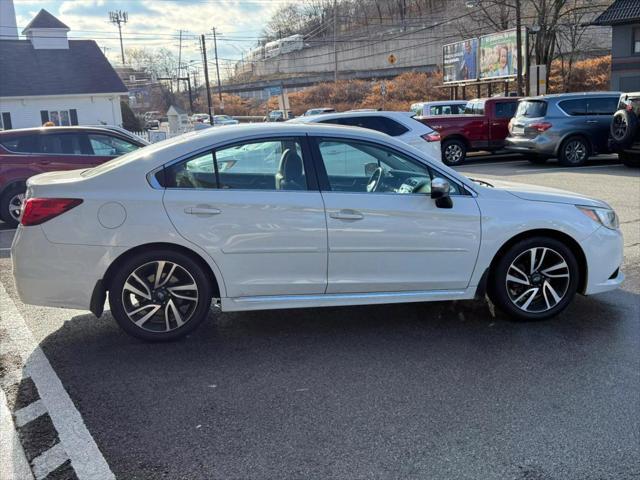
604 252
57 275
540 145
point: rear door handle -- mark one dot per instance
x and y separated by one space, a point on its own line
347 215
496 124
203 211
592 121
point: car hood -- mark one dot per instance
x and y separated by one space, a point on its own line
537 193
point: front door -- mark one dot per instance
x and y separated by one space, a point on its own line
253 211
385 232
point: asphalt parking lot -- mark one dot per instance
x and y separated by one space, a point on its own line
438 390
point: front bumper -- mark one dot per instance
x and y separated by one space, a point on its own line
57 275
604 252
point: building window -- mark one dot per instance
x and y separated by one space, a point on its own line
5 121
636 41
60 118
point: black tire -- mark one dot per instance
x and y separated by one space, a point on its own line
154 330
7 204
537 159
574 151
623 128
502 292
630 159
454 152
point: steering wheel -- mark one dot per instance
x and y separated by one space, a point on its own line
374 180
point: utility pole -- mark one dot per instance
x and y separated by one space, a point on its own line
215 49
206 77
519 46
119 17
335 43
179 58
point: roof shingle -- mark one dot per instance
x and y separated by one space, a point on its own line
80 69
620 11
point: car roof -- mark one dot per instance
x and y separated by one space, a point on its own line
555 96
442 102
78 128
334 115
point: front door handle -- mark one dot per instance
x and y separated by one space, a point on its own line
592 121
347 215
203 211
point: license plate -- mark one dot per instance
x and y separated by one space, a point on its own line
517 130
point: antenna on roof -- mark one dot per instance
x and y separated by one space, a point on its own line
118 17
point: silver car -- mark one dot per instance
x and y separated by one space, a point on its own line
569 126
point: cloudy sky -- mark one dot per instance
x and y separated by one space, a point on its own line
155 23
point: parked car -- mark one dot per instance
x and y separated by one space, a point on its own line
224 120
278 116
445 107
569 126
125 132
200 118
318 111
483 126
401 125
343 216
30 151
625 129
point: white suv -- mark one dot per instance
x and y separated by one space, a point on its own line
293 215
400 125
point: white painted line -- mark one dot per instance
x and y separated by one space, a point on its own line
13 462
506 162
85 456
48 461
573 169
29 413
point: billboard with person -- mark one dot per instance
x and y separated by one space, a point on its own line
498 58
460 61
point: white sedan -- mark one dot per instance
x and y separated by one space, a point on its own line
295 215
400 125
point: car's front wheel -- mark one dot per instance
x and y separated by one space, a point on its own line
160 295
534 279
574 152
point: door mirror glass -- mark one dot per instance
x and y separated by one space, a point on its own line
439 188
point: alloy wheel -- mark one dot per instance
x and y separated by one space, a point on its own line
160 296
537 280
15 206
575 151
453 153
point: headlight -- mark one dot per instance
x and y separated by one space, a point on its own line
604 216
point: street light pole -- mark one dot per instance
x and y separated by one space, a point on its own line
519 47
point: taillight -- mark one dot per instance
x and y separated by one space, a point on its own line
40 210
431 137
541 127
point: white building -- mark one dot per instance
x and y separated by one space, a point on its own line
48 77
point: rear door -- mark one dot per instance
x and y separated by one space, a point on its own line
499 116
255 208
65 151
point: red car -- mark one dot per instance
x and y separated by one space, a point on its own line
483 126
30 151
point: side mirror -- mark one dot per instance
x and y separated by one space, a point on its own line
440 193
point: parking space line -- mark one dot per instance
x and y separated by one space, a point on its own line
13 461
574 169
29 413
48 461
75 439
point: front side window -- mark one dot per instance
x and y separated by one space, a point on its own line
360 167
62 144
108 146
195 172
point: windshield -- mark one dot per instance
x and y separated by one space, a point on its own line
531 108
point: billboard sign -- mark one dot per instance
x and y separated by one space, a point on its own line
498 58
460 61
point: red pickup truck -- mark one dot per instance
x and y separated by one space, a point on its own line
483 126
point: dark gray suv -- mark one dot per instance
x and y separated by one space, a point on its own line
569 126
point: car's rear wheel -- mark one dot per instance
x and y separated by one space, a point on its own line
11 205
630 159
453 152
574 152
160 295
534 279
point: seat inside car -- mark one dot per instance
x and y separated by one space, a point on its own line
290 174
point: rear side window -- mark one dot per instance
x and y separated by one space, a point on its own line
22 144
455 109
67 143
602 106
379 124
574 107
474 108
531 109
506 109
106 145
